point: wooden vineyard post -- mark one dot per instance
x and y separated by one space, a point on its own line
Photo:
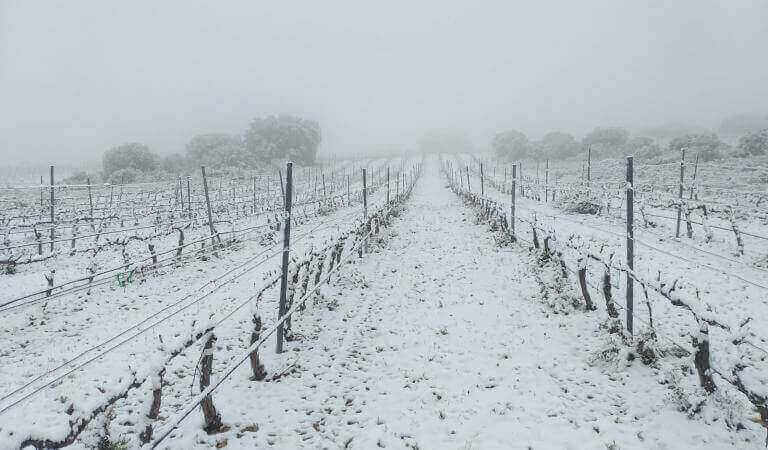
546 181
324 192
630 242
512 193
387 185
349 201
454 174
120 197
482 180
212 417
181 198
589 163
693 182
680 192
282 189
469 188
189 198
365 197
208 208
364 248
282 306
53 224
175 197
90 201
254 194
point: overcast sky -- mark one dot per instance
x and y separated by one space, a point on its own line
77 77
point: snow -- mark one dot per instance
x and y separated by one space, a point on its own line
730 290
438 342
437 338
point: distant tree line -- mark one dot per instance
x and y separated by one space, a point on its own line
266 139
615 142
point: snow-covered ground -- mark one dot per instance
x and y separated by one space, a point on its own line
115 332
730 287
439 342
437 339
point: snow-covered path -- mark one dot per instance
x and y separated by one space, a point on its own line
437 343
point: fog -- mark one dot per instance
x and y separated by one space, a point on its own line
77 77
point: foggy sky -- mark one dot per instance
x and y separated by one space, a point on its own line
77 77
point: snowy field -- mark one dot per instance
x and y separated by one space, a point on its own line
69 353
441 333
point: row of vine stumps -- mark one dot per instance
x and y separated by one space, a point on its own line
565 290
306 273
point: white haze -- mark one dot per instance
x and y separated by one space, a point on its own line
77 77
